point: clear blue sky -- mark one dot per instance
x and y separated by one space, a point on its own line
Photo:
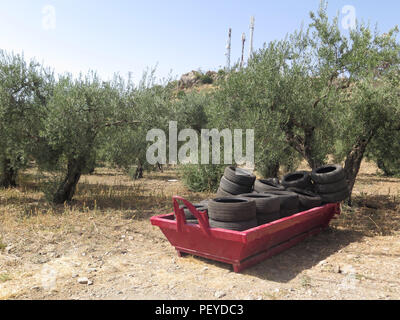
179 35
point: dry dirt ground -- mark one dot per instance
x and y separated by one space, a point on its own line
106 236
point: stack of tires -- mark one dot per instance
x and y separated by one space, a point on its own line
268 207
330 183
235 181
232 213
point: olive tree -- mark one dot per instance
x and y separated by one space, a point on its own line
82 115
24 89
317 92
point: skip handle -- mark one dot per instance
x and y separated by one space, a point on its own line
201 216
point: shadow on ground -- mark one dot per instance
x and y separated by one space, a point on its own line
287 265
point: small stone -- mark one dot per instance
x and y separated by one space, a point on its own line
337 269
322 263
90 283
91 270
8 249
83 280
35 288
130 238
348 269
219 294
75 275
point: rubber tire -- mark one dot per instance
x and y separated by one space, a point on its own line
289 212
189 215
192 221
328 174
222 193
298 179
268 218
335 197
265 203
331 187
232 209
235 226
204 203
289 200
263 186
307 199
245 178
234 188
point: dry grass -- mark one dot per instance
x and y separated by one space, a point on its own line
109 204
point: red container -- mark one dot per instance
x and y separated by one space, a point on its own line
241 249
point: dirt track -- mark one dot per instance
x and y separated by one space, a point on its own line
124 257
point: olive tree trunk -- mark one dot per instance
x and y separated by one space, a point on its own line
8 177
66 190
353 162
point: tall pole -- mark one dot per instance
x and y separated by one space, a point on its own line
228 50
243 42
252 23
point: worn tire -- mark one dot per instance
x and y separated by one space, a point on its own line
265 185
289 202
235 226
232 209
192 221
299 179
307 199
204 203
289 212
222 193
268 218
335 197
239 176
265 203
189 215
328 174
331 187
233 188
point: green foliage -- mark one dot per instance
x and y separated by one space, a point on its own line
206 79
200 178
24 90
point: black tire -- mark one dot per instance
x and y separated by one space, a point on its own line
235 226
288 200
240 176
268 218
263 186
192 221
232 209
233 188
331 187
222 193
189 215
328 174
265 203
204 203
289 212
299 179
335 197
307 199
